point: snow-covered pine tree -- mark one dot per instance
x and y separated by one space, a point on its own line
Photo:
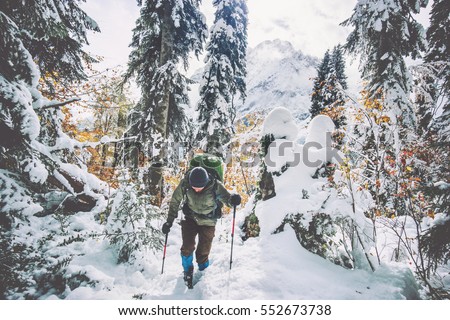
131 227
43 145
317 99
54 37
438 36
435 94
224 77
385 32
338 61
432 78
328 96
39 189
165 34
333 91
426 96
18 125
54 33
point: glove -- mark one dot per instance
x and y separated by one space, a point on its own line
235 199
166 227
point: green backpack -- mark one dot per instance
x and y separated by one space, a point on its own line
212 164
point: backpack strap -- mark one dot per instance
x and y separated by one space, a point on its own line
217 211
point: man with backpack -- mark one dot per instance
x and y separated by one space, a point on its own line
203 197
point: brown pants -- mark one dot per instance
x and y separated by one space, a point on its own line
189 230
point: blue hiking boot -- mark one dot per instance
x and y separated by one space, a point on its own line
203 266
188 269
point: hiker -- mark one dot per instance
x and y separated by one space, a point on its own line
204 196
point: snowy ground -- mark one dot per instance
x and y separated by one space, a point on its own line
269 267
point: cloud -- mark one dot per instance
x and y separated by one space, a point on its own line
116 19
282 24
311 25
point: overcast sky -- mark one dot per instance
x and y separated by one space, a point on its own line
312 26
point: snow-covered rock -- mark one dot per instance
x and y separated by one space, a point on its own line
319 130
281 124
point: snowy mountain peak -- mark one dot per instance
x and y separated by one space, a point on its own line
279 76
272 50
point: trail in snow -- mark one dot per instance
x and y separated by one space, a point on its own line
270 267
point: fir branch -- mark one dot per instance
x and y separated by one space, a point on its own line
59 104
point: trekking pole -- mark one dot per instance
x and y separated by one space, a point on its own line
164 253
232 236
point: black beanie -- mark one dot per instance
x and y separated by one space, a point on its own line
198 178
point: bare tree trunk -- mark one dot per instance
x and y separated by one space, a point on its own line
104 149
161 113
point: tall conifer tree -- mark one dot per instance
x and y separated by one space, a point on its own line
435 95
385 32
54 36
438 35
166 33
317 98
339 66
224 77
35 173
328 86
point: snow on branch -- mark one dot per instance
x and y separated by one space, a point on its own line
53 104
